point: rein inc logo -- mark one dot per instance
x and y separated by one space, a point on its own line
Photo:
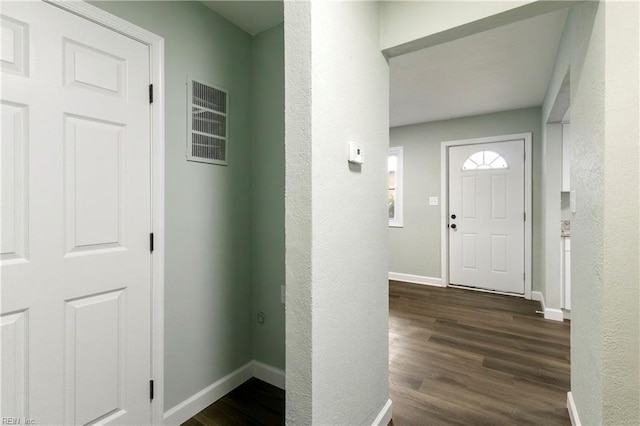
17 421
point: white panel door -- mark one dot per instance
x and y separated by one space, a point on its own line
486 216
76 218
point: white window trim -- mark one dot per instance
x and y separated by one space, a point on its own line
398 222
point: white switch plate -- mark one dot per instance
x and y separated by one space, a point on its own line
356 153
433 201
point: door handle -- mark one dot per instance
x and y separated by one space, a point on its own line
453 216
453 226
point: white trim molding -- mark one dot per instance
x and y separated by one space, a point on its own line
155 44
549 313
416 279
266 373
384 416
207 396
444 212
398 220
573 410
537 296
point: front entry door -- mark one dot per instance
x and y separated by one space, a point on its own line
486 216
76 218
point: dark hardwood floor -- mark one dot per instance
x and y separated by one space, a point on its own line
460 357
252 403
456 357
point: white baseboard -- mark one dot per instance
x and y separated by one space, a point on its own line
266 373
384 416
207 396
573 411
553 314
416 279
549 313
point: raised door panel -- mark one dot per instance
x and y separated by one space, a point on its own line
470 251
469 197
14 242
499 199
14 56
95 176
93 69
95 329
499 251
14 367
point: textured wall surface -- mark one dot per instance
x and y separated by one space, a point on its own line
621 214
350 79
415 248
587 125
267 194
207 269
298 214
342 88
604 151
551 273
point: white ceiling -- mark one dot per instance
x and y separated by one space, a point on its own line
497 70
501 69
252 16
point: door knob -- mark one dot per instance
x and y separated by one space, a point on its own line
453 216
453 226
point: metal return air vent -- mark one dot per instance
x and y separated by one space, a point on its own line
208 123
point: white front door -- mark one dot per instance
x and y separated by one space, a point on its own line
486 216
76 210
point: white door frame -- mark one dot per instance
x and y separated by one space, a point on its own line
156 75
444 196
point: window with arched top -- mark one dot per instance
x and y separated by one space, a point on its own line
485 160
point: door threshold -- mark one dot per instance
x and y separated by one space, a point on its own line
484 290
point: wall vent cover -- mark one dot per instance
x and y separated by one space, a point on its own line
207 119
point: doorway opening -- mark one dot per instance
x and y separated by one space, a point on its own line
486 214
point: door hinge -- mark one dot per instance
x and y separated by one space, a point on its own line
151 390
524 276
151 93
151 242
525 216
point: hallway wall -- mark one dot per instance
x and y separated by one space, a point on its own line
337 85
600 46
267 195
416 248
208 207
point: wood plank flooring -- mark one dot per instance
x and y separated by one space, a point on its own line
456 357
252 403
460 357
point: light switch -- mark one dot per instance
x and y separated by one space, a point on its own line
356 153
433 201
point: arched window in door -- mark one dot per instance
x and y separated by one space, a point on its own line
485 160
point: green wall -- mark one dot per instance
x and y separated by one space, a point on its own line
267 180
415 248
208 208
